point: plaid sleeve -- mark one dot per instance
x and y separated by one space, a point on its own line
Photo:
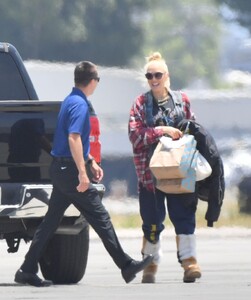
140 134
187 107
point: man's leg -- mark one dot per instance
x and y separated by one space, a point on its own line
56 209
90 205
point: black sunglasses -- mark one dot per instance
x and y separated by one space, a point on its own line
96 78
157 75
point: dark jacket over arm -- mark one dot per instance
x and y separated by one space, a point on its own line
212 188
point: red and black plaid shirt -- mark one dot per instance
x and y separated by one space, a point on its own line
143 137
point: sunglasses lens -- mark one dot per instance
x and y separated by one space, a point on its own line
158 75
149 76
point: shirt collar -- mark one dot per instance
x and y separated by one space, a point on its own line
77 91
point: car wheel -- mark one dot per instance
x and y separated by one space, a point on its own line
65 258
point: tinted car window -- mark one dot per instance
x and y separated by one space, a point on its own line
11 84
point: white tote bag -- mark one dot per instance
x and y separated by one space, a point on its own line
202 168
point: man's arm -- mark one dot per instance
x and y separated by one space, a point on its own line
76 148
95 169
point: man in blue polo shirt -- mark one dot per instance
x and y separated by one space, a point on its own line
71 184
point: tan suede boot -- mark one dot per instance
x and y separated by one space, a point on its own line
186 246
191 268
149 273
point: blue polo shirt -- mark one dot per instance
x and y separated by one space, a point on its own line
73 117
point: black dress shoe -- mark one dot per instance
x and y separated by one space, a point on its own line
31 279
130 271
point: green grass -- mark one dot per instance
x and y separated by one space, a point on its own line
229 217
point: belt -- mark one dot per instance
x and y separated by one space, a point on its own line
63 159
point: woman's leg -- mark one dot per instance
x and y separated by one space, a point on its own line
153 212
182 210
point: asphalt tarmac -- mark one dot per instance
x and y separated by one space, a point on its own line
224 256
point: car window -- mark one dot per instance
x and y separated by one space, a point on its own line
11 84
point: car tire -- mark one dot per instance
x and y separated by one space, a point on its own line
65 258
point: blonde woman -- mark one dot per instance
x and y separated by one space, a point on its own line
154 114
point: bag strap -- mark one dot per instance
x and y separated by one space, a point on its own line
149 109
178 106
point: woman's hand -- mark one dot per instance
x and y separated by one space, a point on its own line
173 132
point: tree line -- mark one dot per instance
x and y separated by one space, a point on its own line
122 32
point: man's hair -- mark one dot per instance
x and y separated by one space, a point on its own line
84 72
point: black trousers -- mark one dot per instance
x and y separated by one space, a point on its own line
64 176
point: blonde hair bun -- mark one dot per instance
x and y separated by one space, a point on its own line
155 56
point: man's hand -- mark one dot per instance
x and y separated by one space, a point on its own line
96 171
84 182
